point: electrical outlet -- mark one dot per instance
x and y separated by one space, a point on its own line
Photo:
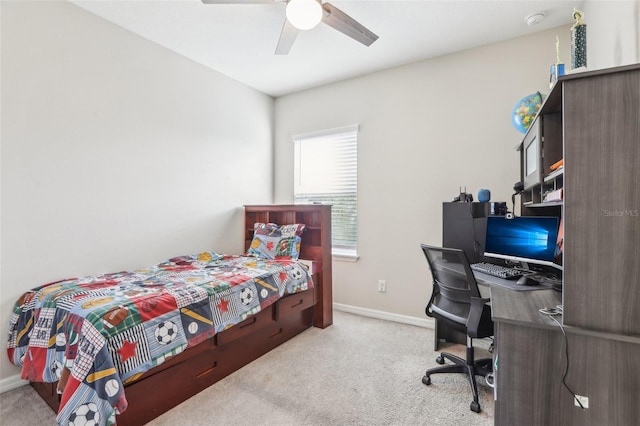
382 286
584 400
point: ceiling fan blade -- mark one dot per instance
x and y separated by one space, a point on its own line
287 37
342 22
237 1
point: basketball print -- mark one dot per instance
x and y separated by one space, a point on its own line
149 304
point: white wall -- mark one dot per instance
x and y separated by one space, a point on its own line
425 130
117 153
613 33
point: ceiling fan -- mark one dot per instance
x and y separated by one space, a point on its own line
306 14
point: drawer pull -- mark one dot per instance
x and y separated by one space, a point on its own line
300 302
208 370
276 333
250 323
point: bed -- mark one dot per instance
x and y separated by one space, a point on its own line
129 346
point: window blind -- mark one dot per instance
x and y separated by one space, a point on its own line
326 171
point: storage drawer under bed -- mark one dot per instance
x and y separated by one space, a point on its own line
294 303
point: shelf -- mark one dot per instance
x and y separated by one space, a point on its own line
554 174
549 204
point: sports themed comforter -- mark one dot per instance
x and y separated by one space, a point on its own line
96 333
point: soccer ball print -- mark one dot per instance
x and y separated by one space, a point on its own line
166 332
85 415
246 296
295 273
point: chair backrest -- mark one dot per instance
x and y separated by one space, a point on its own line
453 283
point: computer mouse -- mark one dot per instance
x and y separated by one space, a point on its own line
527 280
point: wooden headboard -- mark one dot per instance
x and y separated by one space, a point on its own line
316 246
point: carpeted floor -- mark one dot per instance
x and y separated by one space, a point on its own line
366 372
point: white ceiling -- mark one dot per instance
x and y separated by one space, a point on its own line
239 40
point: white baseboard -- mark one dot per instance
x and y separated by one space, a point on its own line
11 383
388 316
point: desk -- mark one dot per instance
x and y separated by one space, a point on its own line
443 334
530 348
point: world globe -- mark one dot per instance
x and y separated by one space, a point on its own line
525 111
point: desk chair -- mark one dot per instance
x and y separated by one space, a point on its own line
456 301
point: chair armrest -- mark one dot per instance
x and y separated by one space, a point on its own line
479 317
434 292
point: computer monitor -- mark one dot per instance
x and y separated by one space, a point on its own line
531 156
530 239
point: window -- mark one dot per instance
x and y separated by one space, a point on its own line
326 171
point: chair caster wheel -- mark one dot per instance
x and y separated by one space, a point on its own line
440 360
426 380
475 407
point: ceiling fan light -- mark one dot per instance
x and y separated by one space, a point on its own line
304 14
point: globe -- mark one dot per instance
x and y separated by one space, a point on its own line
525 111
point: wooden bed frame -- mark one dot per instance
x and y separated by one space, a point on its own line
197 368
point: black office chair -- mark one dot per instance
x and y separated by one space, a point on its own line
456 302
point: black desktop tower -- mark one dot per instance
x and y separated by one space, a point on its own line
464 226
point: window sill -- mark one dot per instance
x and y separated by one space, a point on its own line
344 255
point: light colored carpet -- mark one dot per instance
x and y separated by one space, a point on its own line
365 372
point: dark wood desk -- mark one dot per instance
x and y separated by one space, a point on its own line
530 351
443 334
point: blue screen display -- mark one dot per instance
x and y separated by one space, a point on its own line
532 237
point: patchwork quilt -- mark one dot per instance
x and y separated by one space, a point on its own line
97 333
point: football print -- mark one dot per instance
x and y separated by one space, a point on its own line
114 316
166 332
85 415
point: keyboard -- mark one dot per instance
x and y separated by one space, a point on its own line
497 270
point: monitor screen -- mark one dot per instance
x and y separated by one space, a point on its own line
531 157
531 239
